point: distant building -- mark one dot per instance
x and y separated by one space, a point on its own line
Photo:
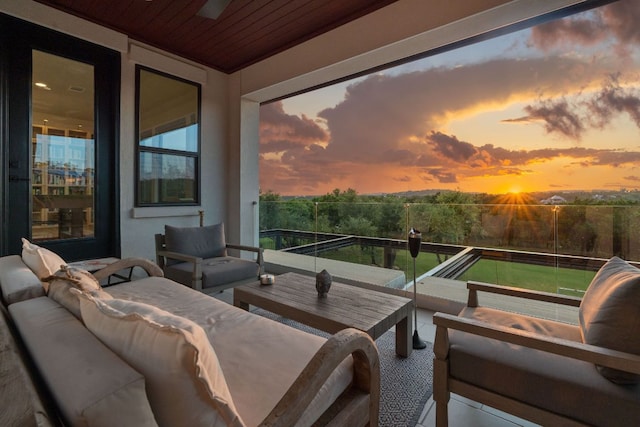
554 200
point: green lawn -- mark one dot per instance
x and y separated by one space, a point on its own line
548 279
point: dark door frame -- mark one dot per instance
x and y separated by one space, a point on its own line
19 38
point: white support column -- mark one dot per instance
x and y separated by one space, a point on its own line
242 174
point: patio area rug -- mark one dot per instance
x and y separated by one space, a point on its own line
406 383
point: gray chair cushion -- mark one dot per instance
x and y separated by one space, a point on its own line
203 242
216 272
555 383
609 313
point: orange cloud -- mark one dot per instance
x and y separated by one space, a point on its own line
388 132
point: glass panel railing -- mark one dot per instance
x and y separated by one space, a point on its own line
560 280
542 247
361 233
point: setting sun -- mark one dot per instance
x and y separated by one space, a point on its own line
515 190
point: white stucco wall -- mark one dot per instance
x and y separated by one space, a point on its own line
243 177
138 225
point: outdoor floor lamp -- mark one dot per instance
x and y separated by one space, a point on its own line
415 239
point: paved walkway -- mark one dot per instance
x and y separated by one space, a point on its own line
278 262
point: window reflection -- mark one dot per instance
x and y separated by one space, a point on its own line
183 139
166 178
62 148
168 139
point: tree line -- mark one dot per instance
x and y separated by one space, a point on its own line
584 227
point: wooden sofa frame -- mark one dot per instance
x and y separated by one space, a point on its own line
196 275
359 405
444 384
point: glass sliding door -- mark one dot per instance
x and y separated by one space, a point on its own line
62 148
59 108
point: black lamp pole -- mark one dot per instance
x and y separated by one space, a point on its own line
415 239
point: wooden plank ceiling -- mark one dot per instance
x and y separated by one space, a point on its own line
246 32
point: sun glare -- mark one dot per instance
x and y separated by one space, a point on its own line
515 190
515 195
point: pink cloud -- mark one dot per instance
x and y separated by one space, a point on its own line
618 20
572 119
569 31
280 131
389 128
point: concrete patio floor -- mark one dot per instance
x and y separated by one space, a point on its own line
462 412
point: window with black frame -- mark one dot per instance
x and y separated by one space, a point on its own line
168 134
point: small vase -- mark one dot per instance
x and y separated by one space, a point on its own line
323 283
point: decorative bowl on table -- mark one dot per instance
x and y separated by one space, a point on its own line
267 279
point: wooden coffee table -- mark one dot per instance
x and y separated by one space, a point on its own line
294 296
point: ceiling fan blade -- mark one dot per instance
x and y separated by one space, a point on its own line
213 8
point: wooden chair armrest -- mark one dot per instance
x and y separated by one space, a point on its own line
259 251
151 268
474 287
244 248
196 273
324 362
180 257
589 353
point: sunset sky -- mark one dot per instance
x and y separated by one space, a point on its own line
552 108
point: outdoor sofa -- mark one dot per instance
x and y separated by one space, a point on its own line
548 372
154 352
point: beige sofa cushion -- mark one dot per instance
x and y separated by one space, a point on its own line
609 314
90 384
20 403
261 358
185 384
41 261
17 281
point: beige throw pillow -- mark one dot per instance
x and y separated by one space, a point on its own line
58 287
184 381
609 314
41 261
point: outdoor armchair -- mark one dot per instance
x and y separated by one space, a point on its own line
197 257
548 372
